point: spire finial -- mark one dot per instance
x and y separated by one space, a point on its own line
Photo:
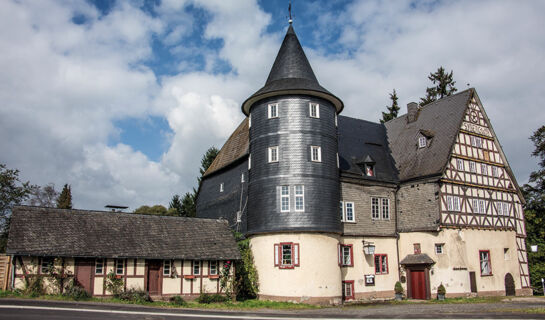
289 10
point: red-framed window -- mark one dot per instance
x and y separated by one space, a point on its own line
286 255
485 262
381 264
348 290
346 255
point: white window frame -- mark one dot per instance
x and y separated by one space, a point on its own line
316 113
476 142
249 162
196 267
213 271
99 266
222 187
453 203
242 177
284 196
484 169
118 268
47 264
346 255
385 209
422 142
273 110
485 263
318 150
460 164
249 121
336 120
349 206
375 208
473 166
299 196
273 154
338 162
167 267
482 206
495 172
439 248
341 207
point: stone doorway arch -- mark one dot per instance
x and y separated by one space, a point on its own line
509 285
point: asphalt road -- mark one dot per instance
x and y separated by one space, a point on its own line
45 310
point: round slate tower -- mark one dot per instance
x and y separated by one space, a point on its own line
294 190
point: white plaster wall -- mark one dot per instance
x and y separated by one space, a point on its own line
98 285
135 283
318 275
461 250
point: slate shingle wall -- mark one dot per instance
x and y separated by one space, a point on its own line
418 206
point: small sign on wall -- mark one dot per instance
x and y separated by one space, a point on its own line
369 280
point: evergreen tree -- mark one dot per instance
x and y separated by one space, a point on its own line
189 206
176 205
65 199
207 160
12 192
443 86
534 213
392 110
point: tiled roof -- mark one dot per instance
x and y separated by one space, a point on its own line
235 148
421 258
39 231
438 121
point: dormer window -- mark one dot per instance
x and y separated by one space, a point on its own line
369 170
422 142
273 110
314 110
367 166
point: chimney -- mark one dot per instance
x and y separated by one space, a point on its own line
412 112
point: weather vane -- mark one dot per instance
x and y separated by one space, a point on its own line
289 10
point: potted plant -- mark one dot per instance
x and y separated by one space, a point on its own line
398 288
441 291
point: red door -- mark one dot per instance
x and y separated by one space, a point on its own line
84 274
418 284
154 273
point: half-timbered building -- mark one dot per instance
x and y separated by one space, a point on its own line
338 208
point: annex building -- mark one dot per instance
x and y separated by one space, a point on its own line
338 208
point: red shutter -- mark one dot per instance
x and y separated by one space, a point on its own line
276 255
339 258
351 256
295 250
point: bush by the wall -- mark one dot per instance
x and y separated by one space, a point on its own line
134 295
76 292
177 300
207 298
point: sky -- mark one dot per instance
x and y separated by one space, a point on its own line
120 99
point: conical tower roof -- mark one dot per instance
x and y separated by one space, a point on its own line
291 73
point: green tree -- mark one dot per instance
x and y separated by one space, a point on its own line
392 110
158 210
189 205
207 160
65 199
176 205
443 86
12 192
43 196
534 213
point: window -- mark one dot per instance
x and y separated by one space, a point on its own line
221 187
346 256
249 162
495 172
460 164
484 169
453 203
46 265
273 154
473 166
338 164
341 210
336 121
439 248
314 110
369 170
196 267
284 198
506 254
242 178
375 210
119 266
286 255
486 267
503 208
381 264
299 198
166 267
273 110
239 216
349 210
316 154
249 121
476 142
482 206
213 268
422 142
348 290
385 209
99 266
416 248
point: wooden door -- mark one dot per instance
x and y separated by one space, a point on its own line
84 273
154 275
418 284
509 285
472 281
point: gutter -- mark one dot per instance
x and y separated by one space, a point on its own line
397 235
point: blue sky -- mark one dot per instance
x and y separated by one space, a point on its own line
120 99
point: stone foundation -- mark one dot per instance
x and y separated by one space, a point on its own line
310 300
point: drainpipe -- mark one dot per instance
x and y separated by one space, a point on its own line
12 272
397 234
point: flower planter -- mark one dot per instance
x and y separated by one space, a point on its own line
440 296
399 296
189 277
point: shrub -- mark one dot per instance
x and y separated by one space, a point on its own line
441 289
76 292
177 300
398 288
113 283
34 286
212 298
134 295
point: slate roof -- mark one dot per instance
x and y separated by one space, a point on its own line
421 258
291 73
38 231
360 139
439 120
234 148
